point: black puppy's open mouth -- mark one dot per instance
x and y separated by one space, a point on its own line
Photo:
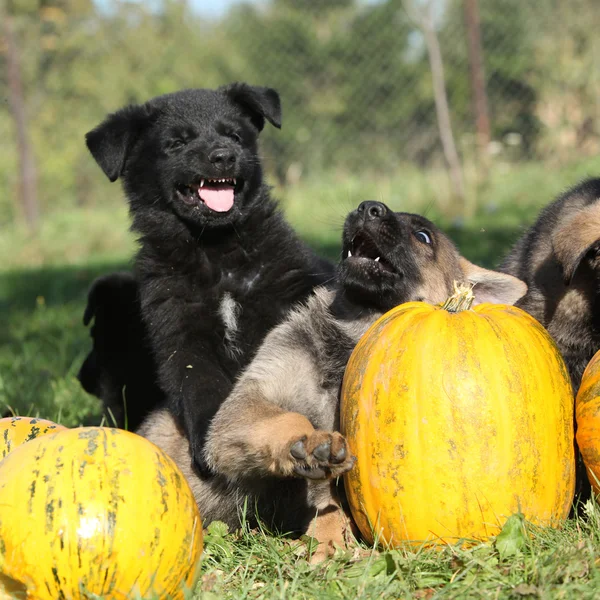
363 248
217 194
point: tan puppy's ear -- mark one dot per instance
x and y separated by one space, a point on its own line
573 240
492 286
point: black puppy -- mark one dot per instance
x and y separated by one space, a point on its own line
218 265
120 369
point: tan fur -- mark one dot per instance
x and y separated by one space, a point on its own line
437 275
283 376
491 286
332 528
214 499
573 239
559 259
267 439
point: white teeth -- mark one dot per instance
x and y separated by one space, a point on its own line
233 181
349 254
377 259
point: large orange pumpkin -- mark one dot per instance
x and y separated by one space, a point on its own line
457 420
587 413
15 431
96 511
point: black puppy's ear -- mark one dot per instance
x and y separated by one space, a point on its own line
575 238
110 142
261 102
90 309
115 289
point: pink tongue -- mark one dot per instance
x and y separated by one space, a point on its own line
219 200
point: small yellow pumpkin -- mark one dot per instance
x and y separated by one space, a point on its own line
15 431
587 413
96 511
458 419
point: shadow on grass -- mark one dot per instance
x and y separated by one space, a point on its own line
56 285
43 342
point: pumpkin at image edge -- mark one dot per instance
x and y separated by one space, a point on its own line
587 414
96 511
458 420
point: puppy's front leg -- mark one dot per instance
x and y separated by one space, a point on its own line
331 527
251 436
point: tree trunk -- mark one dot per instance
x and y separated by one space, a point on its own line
441 102
480 104
27 169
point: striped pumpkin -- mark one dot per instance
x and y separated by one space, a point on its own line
457 420
587 411
96 510
15 431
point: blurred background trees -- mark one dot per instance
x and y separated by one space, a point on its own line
354 78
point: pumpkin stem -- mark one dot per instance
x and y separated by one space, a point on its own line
461 299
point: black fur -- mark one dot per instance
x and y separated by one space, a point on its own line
196 263
120 369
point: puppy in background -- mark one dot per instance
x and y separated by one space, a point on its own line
275 438
559 260
120 368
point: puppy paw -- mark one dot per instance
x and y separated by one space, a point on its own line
330 528
322 455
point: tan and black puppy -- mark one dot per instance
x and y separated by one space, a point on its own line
559 260
274 438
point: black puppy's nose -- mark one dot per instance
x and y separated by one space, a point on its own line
372 210
222 157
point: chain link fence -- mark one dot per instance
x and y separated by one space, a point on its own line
521 80
358 89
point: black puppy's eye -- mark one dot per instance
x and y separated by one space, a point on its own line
423 236
235 137
176 144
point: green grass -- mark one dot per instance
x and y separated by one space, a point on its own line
43 285
549 564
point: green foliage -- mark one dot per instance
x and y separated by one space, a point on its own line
513 537
354 79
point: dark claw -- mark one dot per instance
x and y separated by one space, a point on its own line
298 451
323 452
340 456
309 473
